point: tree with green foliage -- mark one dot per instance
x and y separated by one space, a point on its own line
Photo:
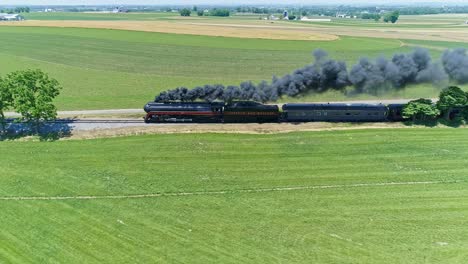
195 9
185 12
33 93
420 110
392 17
220 12
6 101
451 98
200 13
376 17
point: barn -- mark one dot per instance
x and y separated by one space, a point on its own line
11 17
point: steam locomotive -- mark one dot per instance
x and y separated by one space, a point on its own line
215 112
253 112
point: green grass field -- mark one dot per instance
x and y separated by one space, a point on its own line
123 69
351 196
378 223
98 16
405 21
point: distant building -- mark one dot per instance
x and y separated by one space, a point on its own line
340 15
119 10
285 14
272 17
11 17
315 19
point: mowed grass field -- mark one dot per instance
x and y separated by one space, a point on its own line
101 69
99 16
387 196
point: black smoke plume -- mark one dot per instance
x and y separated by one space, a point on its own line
367 76
456 64
403 69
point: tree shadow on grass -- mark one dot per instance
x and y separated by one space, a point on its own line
47 131
426 123
457 122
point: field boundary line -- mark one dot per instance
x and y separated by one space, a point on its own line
259 190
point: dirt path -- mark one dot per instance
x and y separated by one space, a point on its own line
260 190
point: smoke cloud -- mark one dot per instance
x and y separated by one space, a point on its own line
366 76
456 64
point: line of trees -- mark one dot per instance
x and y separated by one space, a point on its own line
31 94
373 16
452 104
215 12
16 10
219 12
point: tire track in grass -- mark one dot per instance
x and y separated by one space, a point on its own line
259 190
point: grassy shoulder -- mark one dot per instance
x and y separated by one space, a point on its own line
368 224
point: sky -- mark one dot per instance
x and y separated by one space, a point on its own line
221 2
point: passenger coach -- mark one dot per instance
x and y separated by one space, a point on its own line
335 112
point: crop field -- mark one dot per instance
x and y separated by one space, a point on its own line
122 69
101 68
340 193
361 196
98 16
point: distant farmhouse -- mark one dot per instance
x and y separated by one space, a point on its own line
304 18
119 10
11 17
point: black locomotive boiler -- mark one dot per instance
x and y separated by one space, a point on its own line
215 112
182 112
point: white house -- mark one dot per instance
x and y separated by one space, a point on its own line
11 17
304 18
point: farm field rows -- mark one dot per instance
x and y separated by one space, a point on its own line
363 216
103 69
234 193
442 20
